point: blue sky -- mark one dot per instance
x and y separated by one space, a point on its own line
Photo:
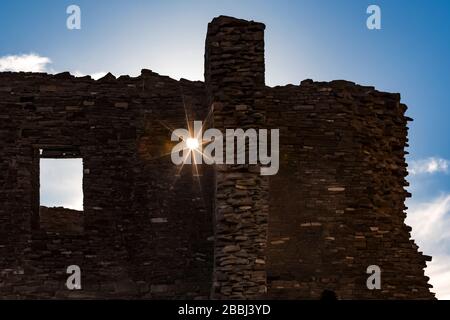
322 40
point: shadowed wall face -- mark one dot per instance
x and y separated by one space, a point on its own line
337 204
146 226
151 229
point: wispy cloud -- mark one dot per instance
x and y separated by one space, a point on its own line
439 273
430 222
25 62
33 62
429 166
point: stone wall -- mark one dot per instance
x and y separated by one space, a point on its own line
337 203
61 220
155 230
147 226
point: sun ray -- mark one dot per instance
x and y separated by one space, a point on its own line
193 147
185 109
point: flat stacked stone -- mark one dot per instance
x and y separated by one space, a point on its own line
234 75
153 230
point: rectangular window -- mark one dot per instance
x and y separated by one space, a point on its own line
60 190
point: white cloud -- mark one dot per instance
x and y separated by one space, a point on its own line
33 62
439 273
430 222
26 62
429 165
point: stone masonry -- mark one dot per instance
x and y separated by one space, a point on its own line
153 230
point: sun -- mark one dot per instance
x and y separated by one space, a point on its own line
192 143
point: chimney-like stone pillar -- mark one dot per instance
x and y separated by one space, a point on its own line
234 77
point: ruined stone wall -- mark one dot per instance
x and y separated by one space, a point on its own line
61 220
155 230
147 229
337 204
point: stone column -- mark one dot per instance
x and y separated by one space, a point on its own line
234 77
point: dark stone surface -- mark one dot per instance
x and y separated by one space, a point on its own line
335 207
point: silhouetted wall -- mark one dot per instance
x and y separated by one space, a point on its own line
337 203
153 230
147 229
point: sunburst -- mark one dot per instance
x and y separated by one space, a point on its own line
194 145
